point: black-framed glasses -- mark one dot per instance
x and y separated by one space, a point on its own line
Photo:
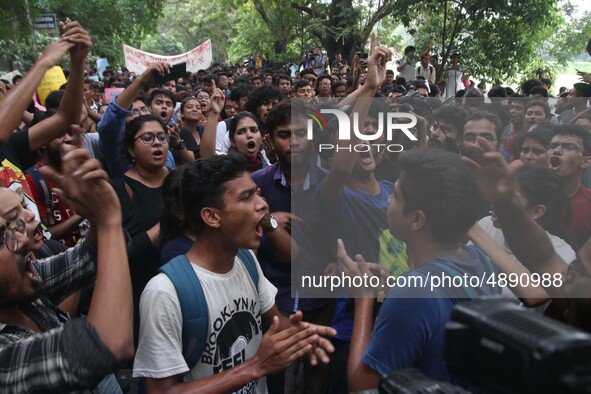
148 137
577 267
8 236
471 138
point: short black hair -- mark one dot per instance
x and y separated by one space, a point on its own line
239 91
283 76
541 186
576 131
53 100
494 119
172 218
337 84
281 114
163 92
530 83
408 49
203 184
262 95
300 83
455 116
211 77
438 183
497 91
539 103
539 90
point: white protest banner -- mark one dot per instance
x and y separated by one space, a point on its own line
198 58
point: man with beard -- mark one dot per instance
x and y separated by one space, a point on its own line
292 179
261 102
448 129
481 124
41 349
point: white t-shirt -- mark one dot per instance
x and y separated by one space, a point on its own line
235 328
408 72
561 248
222 139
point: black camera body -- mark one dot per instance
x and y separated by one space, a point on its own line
502 348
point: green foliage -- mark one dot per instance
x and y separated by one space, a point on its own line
570 39
192 22
111 23
497 40
162 45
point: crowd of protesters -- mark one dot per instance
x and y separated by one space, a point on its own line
214 175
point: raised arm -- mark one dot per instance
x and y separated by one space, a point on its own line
71 105
343 161
87 191
125 99
528 241
17 99
530 295
207 147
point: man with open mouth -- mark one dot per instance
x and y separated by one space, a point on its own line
54 353
569 154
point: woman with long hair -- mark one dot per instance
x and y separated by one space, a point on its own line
145 145
246 138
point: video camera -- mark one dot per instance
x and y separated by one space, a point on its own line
496 346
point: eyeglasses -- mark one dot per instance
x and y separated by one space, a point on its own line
8 237
565 146
577 267
144 110
471 138
148 138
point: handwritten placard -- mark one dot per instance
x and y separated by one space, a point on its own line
198 58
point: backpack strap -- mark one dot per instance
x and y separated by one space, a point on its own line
193 307
246 258
193 303
43 191
489 266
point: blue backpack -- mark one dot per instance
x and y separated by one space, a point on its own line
193 304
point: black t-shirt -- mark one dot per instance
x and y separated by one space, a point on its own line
187 136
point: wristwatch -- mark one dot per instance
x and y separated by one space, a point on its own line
180 146
271 225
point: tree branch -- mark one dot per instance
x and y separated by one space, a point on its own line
259 7
385 10
307 10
